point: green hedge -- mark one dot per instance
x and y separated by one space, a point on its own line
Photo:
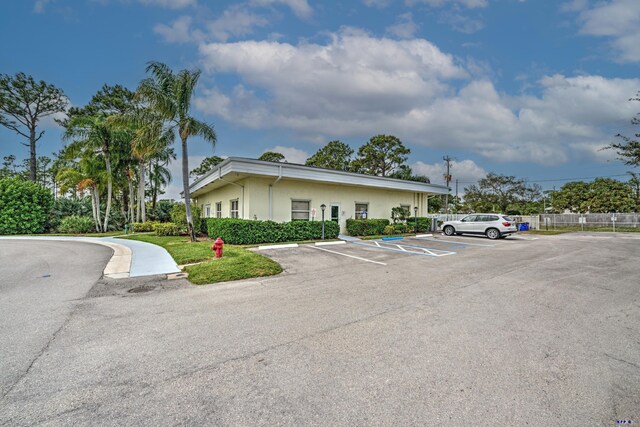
250 232
167 229
366 227
141 227
77 224
179 217
424 224
24 206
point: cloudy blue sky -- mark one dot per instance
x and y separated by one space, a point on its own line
532 88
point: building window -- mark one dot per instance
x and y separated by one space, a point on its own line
207 211
407 210
219 210
362 210
234 208
300 210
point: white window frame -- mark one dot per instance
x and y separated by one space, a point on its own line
207 210
218 209
358 214
234 213
307 211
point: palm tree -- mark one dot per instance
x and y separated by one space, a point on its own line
170 95
159 174
98 136
149 141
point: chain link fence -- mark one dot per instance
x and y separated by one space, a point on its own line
564 221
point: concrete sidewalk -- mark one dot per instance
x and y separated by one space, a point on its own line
131 258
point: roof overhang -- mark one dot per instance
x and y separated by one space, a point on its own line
234 169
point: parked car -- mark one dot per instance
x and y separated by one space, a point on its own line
492 225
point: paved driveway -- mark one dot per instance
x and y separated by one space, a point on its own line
540 332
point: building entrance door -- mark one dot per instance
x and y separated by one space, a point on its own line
335 213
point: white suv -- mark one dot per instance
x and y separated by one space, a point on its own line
494 226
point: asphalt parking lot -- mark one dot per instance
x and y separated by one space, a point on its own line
428 248
520 333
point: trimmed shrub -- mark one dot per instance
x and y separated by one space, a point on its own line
141 227
400 228
249 232
366 227
388 229
24 206
167 229
77 224
179 217
424 224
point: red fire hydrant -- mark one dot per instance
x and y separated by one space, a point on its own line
217 246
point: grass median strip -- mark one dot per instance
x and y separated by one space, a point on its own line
237 262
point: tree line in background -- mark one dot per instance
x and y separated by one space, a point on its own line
118 145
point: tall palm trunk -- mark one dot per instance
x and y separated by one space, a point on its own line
107 210
132 197
141 188
98 216
185 188
93 209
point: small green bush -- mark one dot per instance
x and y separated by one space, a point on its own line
24 206
179 217
77 224
250 232
141 227
424 224
401 228
167 229
389 229
366 227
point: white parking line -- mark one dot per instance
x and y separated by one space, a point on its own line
409 249
458 242
350 256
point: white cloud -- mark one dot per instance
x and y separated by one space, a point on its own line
40 5
377 3
300 8
349 88
471 4
177 32
170 4
404 28
235 21
465 171
291 154
618 20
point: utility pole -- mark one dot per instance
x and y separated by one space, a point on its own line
447 179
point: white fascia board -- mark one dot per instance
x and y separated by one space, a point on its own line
308 173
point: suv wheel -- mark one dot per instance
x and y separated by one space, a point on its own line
493 233
449 230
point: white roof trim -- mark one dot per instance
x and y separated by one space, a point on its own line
309 173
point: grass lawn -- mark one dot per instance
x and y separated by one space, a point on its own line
237 262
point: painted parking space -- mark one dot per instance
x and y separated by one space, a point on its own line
405 247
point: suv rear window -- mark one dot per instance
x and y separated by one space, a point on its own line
506 218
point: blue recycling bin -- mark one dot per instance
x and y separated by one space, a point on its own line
524 226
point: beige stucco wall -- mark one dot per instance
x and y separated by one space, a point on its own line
256 199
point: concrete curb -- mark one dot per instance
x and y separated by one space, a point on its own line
339 242
291 245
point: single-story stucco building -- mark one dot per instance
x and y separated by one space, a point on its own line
282 192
